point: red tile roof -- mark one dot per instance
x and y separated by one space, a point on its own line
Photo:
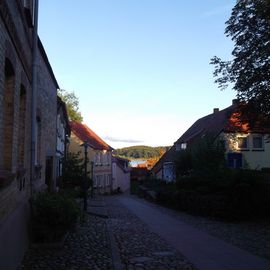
85 134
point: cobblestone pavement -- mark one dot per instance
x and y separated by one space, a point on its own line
86 248
139 248
251 236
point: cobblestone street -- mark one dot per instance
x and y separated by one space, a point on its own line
87 248
115 237
140 248
91 247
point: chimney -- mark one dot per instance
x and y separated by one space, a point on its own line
216 110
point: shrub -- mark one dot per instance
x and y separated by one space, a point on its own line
238 194
53 215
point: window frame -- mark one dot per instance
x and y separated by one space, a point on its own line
262 143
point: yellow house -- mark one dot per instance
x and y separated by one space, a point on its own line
246 146
99 155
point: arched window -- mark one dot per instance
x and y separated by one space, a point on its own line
22 119
8 117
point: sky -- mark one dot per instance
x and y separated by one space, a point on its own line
140 68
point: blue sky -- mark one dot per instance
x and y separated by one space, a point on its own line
139 67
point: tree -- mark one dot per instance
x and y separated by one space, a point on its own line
73 170
72 103
249 70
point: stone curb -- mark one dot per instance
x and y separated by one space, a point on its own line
117 265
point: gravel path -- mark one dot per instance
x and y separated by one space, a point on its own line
251 236
140 248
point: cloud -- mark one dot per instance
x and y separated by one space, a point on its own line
115 139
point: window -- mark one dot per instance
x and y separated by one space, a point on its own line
257 142
8 114
98 159
38 141
22 118
183 146
108 179
108 158
178 147
242 142
168 171
95 181
235 160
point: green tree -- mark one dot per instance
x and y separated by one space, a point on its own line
249 69
72 103
204 158
73 171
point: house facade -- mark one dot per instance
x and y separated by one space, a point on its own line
120 174
99 156
17 181
246 147
62 137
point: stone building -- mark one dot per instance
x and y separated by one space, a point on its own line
16 43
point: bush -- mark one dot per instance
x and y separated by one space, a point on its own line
237 194
53 215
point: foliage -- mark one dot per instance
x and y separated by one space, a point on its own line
74 171
236 194
72 103
134 185
206 157
248 71
183 164
205 186
53 215
141 152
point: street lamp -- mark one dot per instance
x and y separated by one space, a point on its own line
85 145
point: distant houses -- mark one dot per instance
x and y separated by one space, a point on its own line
246 146
109 173
120 174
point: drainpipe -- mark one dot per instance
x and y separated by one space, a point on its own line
34 94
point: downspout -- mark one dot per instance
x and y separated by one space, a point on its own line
34 94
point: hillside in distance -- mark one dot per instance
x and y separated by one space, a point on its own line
141 152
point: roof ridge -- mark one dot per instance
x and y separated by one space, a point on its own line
84 133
